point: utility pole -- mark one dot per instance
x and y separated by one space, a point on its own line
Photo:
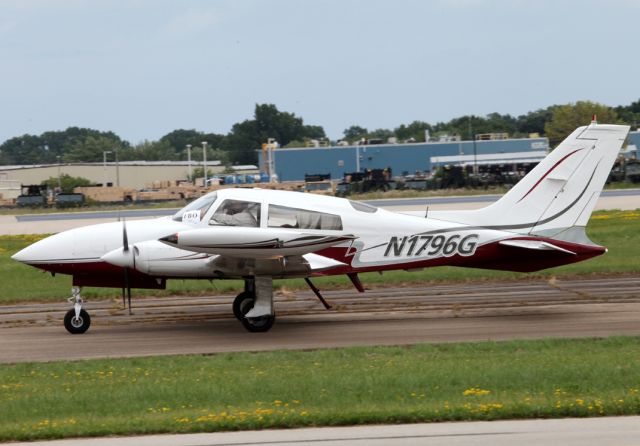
204 161
189 161
117 169
104 166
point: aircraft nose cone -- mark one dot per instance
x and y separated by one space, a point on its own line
36 253
24 255
53 249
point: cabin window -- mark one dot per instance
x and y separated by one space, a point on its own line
237 213
286 217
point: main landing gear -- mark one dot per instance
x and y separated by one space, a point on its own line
77 320
254 306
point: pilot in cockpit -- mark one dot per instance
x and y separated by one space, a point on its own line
236 213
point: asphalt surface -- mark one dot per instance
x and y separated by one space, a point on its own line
114 215
388 316
609 431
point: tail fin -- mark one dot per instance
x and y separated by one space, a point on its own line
557 197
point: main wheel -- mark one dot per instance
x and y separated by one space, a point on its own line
240 302
242 305
77 325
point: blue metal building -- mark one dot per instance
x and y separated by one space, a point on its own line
291 164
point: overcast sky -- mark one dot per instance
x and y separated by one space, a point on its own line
143 68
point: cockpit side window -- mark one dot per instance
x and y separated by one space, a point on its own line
237 213
194 211
286 217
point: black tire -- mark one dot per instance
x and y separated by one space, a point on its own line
259 324
242 305
77 326
239 303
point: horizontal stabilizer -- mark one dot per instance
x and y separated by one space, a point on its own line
321 263
535 245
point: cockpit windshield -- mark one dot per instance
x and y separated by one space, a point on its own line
362 207
194 211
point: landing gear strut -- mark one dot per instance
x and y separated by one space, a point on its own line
255 299
77 320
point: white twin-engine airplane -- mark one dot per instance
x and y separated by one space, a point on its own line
260 235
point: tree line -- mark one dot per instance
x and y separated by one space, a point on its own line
241 144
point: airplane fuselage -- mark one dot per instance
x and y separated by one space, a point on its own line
369 239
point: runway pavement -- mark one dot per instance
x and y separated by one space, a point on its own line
609 431
386 316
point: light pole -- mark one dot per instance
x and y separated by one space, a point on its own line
59 181
104 166
117 168
475 153
189 161
204 161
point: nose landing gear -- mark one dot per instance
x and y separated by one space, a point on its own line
77 320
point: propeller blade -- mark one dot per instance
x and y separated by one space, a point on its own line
129 298
125 238
126 286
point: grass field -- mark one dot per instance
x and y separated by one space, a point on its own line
468 381
617 230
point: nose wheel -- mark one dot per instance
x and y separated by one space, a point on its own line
77 324
77 320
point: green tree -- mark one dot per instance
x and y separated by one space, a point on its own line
90 149
354 133
67 183
566 118
155 151
383 134
469 126
246 138
630 114
178 140
534 122
414 130
47 147
25 149
243 142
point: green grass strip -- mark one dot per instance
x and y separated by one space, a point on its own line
422 383
617 230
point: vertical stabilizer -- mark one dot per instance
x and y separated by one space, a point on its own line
560 193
